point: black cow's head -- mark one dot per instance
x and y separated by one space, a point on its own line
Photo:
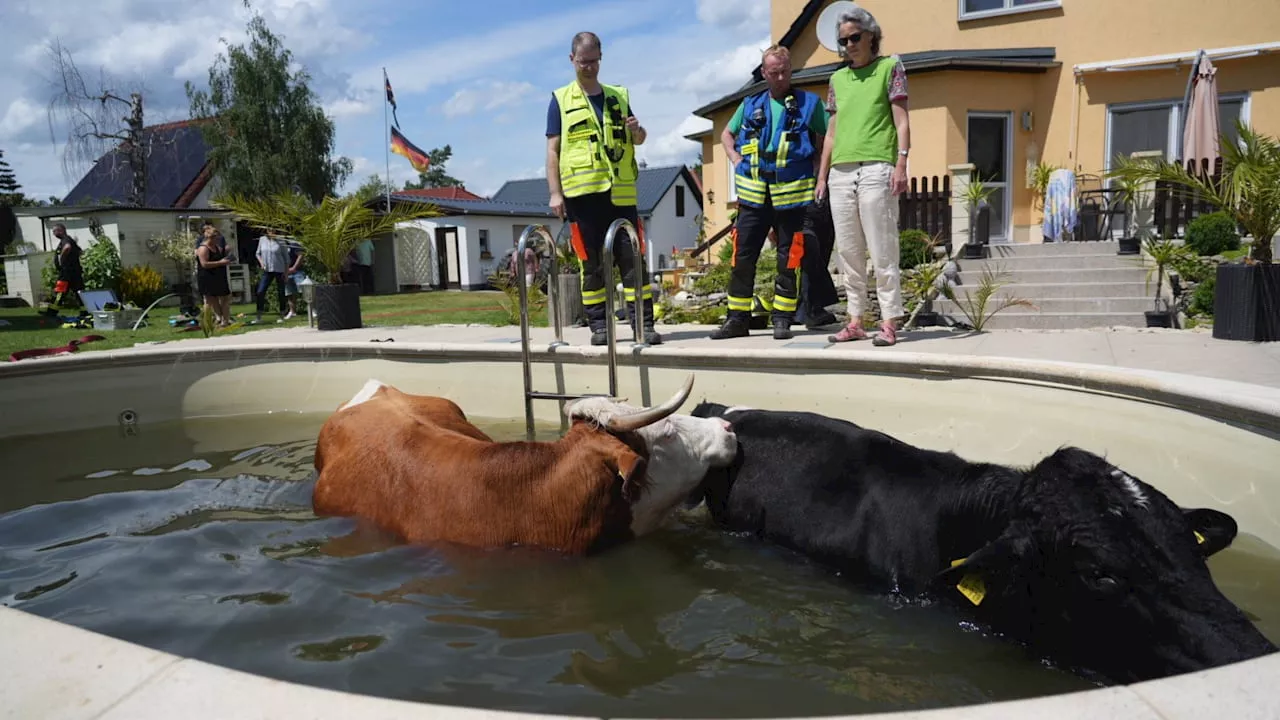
1103 572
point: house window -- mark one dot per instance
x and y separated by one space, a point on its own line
1135 127
975 9
483 234
679 201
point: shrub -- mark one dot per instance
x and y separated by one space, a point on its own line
913 248
1202 298
101 265
1212 234
140 284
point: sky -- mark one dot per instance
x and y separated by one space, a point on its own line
475 76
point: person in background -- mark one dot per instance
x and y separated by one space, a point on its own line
273 258
362 266
864 168
817 291
592 134
66 260
293 278
211 276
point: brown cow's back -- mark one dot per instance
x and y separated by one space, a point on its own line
416 468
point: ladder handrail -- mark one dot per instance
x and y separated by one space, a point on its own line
636 327
540 235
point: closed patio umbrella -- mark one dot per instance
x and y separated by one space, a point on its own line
1201 135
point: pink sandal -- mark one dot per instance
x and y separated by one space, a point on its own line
887 336
847 333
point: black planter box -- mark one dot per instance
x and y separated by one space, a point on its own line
1129 246
1246 302
1159 319
337 306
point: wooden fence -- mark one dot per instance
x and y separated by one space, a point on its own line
1176 206
926 205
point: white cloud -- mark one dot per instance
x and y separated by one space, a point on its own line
348 107
671 147
21 116
490 95
734 14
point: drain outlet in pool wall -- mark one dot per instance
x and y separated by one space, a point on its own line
338 306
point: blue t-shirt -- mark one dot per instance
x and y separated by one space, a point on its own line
597 102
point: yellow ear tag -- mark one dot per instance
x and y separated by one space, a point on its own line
971 586
1199 537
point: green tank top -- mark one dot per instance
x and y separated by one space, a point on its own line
864 117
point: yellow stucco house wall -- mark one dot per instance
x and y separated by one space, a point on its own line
1066 82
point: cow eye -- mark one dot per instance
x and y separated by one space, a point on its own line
1104 583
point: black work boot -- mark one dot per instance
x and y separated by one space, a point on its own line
782 329
821 320
597 322
650 335
737 325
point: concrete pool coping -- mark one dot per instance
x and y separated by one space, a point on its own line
66 672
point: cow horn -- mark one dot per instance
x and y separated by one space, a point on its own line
649 416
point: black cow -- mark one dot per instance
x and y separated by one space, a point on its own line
1081 561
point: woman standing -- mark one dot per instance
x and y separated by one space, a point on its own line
864 168
211 278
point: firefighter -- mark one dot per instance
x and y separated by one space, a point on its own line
591 173
774 142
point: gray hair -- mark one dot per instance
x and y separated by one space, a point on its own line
864 20
584 40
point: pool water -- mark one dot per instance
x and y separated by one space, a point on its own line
207 548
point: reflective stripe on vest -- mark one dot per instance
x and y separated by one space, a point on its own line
786 176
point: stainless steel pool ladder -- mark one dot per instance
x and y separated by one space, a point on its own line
540 235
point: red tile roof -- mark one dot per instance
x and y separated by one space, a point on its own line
445 193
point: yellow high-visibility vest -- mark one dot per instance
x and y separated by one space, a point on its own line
596 157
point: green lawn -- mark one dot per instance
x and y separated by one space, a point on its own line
27 329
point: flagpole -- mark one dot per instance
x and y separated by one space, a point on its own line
386 147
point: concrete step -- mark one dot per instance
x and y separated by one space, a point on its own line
1017 318
1053 249
1086 290
1136 274
1058 305
1075 261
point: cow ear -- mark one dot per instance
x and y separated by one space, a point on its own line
969 575
1212 530
631 469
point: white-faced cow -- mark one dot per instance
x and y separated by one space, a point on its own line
414 467
1086 564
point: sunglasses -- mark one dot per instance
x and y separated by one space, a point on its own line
851 39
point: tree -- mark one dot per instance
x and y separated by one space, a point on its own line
435 176
95 128
375 186
10 191
266 130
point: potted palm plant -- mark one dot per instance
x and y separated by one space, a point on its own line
327 232
1246 303
1127 187
1163 254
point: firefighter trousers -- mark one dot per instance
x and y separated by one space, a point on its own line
749 233
590 217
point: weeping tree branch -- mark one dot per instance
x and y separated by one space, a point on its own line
94 129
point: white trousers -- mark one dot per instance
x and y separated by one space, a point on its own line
865 214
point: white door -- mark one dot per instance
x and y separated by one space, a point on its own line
991 153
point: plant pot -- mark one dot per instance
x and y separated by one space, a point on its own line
1159 318
337 306
927 318
973 251
1129 246
1246 302
568 299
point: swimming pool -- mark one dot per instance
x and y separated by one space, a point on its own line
186 473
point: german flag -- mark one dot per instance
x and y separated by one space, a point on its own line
400 145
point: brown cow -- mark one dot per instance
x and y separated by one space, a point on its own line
416 468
